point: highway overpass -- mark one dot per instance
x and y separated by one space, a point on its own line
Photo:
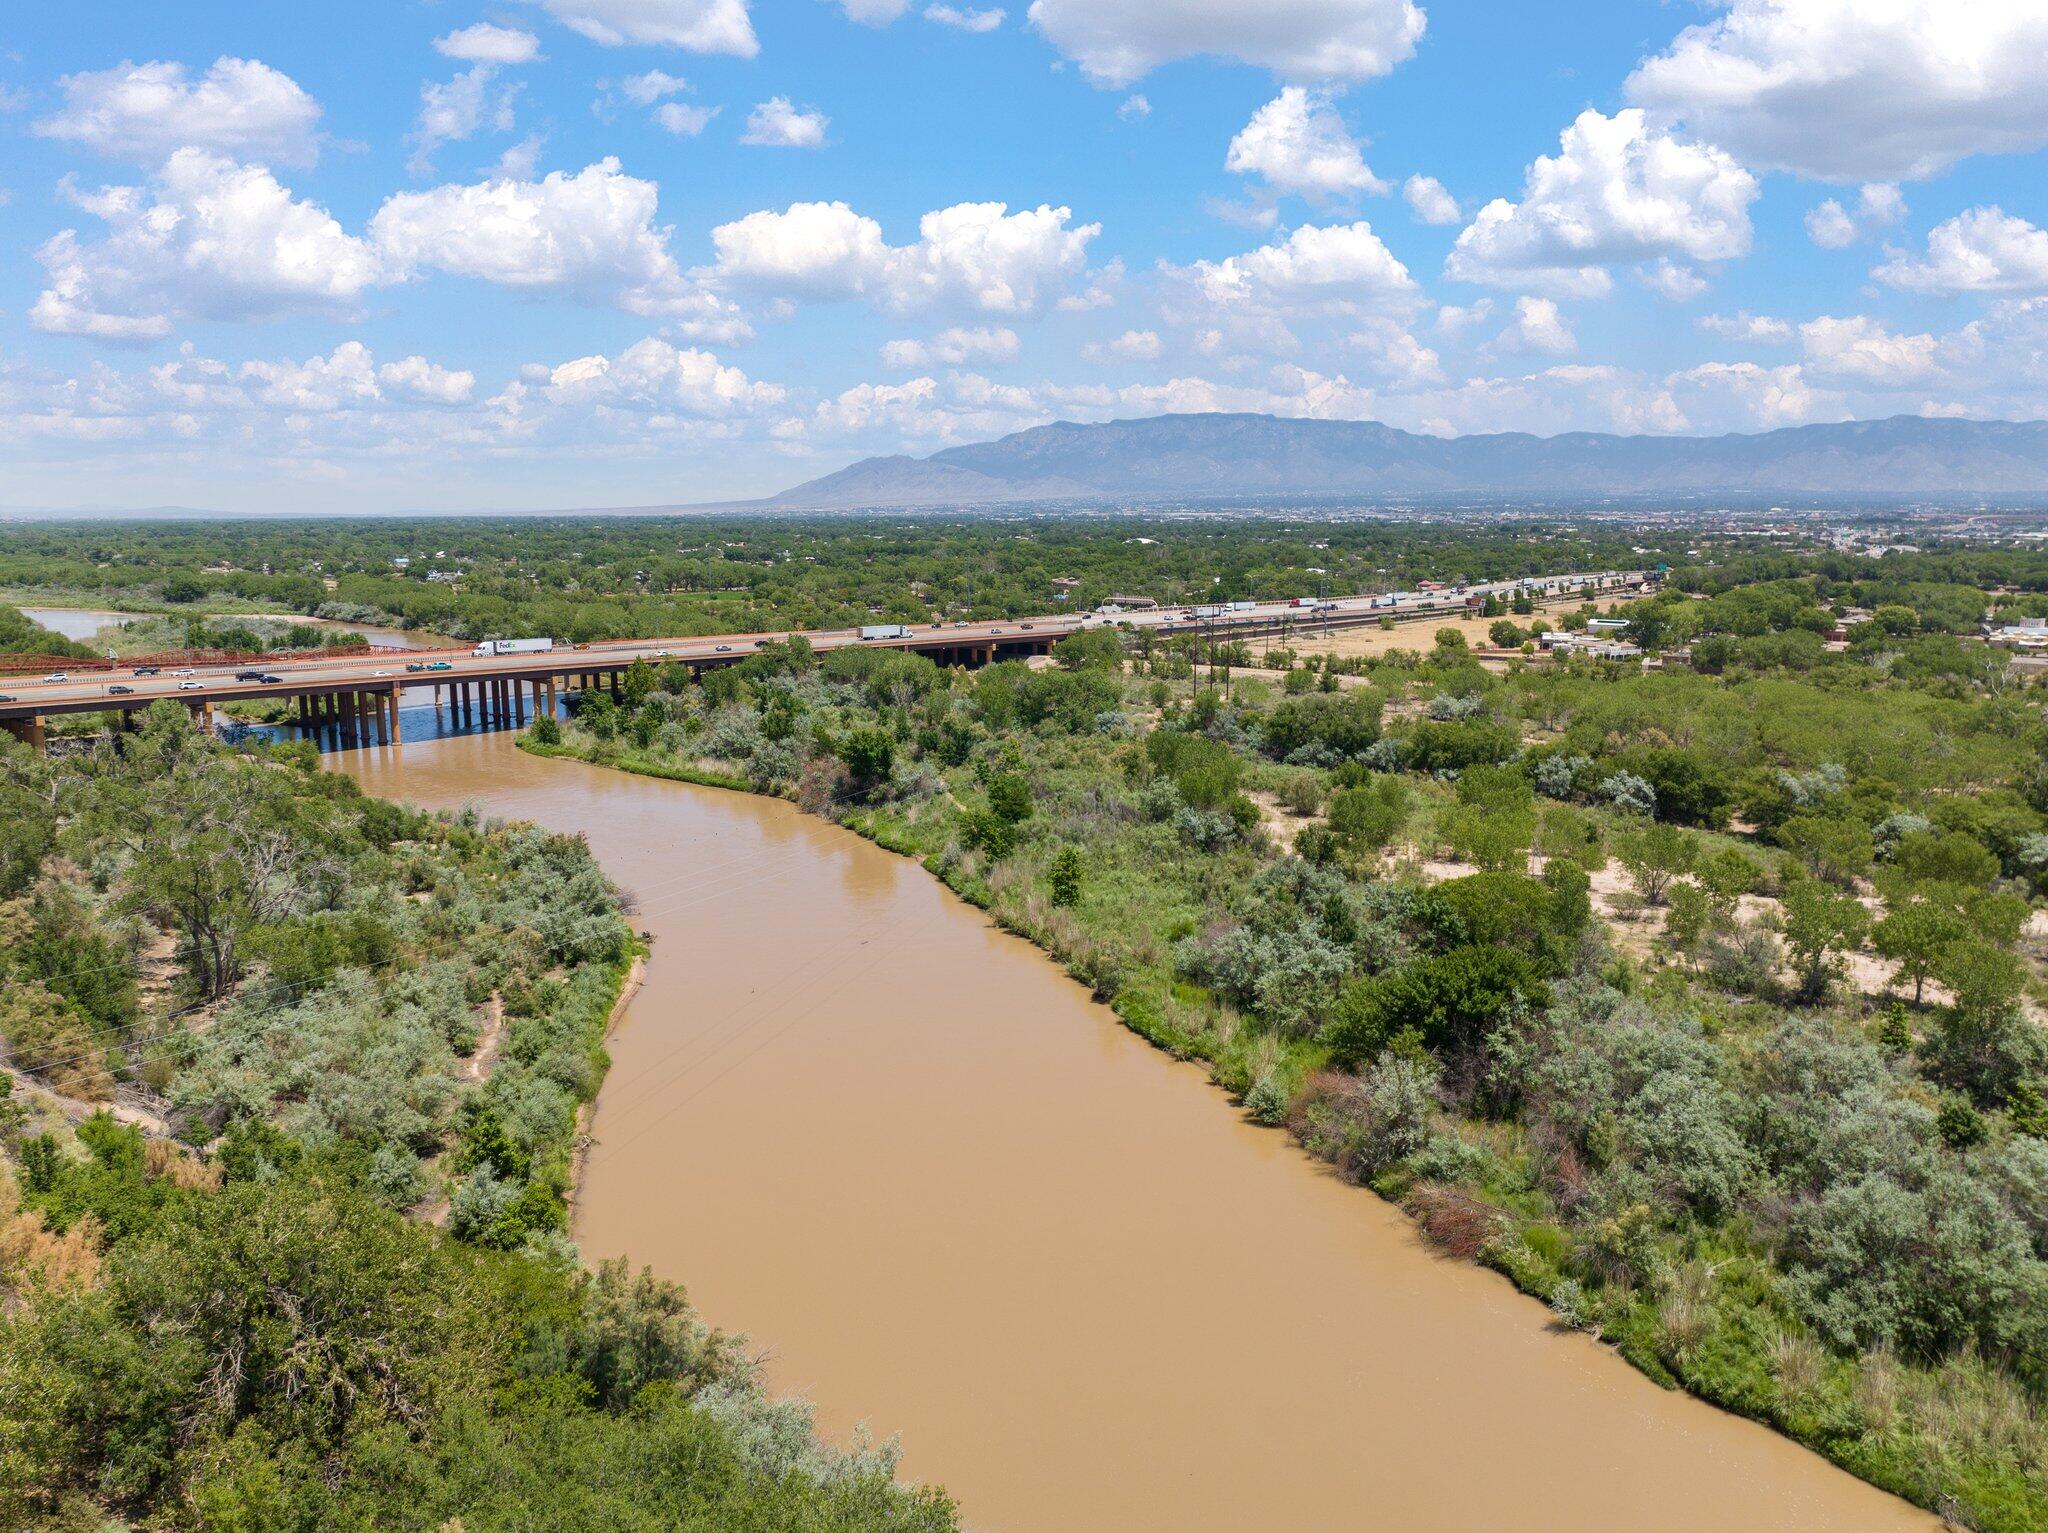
360 694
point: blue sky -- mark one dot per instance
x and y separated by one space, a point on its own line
621 252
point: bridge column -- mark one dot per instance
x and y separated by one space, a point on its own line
396 695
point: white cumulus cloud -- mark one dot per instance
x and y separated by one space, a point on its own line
1858 90
591 232
657 376
682 119
486 44
954 347
427 381
1619 192
965 19
1452 318
1829 225
779 125
1833 227
208 238
1116 42
1343 267
976 254
1297 143
456 109
1745 326
1538 326
702 26
142 112
1430 201
646 89
1131 346
1983 250
873 13
1860 347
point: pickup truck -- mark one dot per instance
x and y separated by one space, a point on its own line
439 665
248 675
149 670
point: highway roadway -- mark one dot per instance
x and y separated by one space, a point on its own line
25 698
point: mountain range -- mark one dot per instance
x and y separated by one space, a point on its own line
1205 456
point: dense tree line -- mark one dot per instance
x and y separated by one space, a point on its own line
585 578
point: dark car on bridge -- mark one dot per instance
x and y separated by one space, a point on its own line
248 676
149 670
119 691
268 679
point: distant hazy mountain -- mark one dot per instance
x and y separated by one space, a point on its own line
1255 455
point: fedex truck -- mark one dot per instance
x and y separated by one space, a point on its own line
514 647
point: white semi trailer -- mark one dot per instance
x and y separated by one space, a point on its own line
514 647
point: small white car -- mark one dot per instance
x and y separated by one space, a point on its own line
187 671
190 686
380 673
57 676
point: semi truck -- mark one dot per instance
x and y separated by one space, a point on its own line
514 647
885 631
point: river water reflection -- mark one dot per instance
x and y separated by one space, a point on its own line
960 1202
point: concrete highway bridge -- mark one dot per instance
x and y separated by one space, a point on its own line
359 695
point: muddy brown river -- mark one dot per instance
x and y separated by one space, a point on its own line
958 1201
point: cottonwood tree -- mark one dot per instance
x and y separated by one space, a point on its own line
1916 935
212 846
1821 924
1654 856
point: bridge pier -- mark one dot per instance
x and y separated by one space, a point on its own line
31 732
